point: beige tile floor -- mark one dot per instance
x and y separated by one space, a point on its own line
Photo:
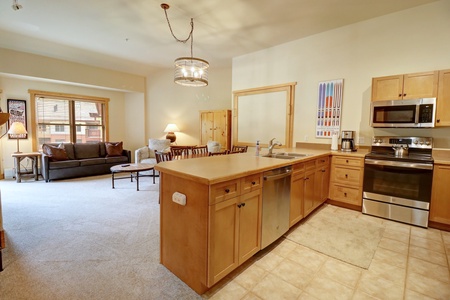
409 263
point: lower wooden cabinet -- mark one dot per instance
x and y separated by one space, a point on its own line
234 234
346 179
309 194
297 193
440 197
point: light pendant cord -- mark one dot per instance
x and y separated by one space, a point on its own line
191 34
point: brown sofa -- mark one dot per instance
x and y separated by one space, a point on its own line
79 159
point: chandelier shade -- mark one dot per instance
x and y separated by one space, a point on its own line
191 71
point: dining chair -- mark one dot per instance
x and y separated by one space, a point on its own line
163 156
219 153
180 152
200 150
239 149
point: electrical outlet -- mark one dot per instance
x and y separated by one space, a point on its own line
361 140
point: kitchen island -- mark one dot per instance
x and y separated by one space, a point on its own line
211 213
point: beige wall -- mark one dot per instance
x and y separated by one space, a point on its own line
172 103
410 41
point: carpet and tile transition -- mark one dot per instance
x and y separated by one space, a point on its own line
347 236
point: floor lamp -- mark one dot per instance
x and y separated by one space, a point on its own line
17 129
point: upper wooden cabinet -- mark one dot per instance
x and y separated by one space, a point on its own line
215 125
408 86
443 100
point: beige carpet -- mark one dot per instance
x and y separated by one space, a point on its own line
80 239
347 236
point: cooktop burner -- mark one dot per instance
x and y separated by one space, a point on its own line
406 149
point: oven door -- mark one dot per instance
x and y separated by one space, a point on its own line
402 183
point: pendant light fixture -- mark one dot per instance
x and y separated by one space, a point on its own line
189 71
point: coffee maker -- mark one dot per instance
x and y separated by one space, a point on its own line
348 141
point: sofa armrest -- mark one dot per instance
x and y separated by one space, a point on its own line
141 154
45 166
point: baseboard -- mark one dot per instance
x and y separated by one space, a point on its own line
345 205
439 226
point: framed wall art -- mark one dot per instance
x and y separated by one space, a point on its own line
329 108
17 110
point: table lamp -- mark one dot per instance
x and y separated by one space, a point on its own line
17 129
170 129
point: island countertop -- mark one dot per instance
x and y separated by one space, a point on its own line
215 169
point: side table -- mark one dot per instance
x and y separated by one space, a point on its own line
18 157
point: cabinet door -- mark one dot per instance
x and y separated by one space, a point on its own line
249 210
297 191
325 183
308 200
420 85
440 198
223 242
207 127
387 88
443 100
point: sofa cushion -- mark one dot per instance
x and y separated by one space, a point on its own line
158 145
116 159
86 150
113 149
55 153
92 161
64 164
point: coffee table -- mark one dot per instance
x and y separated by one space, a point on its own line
134 170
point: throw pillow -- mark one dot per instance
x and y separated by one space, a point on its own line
114 149
55 153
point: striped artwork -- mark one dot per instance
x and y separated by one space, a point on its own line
329 107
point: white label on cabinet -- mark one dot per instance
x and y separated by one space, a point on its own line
179 198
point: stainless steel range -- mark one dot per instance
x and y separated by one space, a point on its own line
398 174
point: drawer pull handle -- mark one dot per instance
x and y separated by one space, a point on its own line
346 175
253 182
227 191
346 161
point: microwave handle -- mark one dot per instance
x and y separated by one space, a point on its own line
416 121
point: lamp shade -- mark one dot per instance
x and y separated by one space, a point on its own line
17 128
171 128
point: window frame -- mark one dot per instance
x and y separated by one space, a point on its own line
73 126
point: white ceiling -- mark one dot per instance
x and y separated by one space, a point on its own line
133 36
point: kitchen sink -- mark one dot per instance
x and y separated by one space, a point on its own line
286 155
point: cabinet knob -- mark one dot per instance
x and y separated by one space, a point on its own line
404 95
227 191
239 205
307 178
243 204
399 95
438 120
345 194
253 182
346 175
346 160
323 170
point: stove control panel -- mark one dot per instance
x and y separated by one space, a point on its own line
410 142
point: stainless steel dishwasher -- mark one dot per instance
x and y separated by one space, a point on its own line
275 204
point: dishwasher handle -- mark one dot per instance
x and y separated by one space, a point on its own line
278 176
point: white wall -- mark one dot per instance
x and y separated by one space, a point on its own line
168 102
410 41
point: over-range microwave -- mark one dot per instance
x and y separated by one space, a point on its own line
403 113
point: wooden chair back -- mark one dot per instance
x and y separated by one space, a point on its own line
198 150
180 152
219 153
163 156
239 149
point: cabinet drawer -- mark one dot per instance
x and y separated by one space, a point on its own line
323 161
251 183
310 165
224 191
348 161
346 194
298 168
347 175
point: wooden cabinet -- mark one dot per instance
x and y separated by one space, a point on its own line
215 125
234 227
346 179
297 191
309 194
322 180
440 196
408 86
443 99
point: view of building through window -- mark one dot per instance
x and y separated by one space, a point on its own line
69 120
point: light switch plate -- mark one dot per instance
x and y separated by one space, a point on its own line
179 198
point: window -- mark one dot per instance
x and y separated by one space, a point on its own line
68 118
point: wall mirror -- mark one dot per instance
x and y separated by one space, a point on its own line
262 114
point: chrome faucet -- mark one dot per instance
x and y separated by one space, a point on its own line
273 144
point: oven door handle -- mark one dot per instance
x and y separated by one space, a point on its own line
389 163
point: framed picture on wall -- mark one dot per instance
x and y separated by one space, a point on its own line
17 110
